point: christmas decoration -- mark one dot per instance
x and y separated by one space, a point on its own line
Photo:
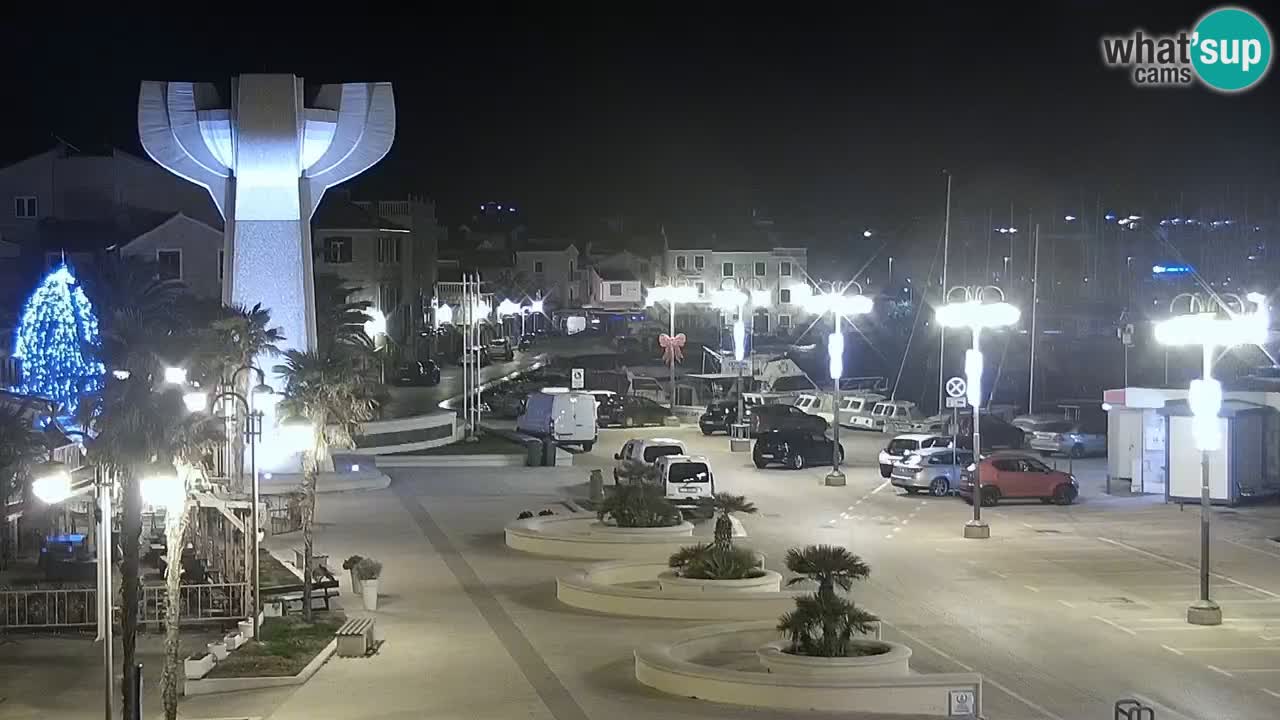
57 339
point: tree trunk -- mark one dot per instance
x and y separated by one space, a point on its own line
723 531
308 516
130 586
175 532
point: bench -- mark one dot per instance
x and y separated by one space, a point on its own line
318 560
355 637
323 589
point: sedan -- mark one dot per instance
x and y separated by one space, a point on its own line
793 448
1068 438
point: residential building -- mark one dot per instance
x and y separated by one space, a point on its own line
611 289
553 270
775 270
183 249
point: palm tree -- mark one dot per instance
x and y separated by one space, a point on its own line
724 505
827 565
340 320
331 393
20 446
240 337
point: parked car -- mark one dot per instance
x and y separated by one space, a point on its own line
996 433
648 387
414 372
472 355
1008 476
793 448
526 341
687 480
857 406
903 445
501 349
763 418
936 470
718 417
567 417
1076 439
634 411
646 451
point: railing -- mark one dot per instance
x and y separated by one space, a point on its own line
77 607
283 513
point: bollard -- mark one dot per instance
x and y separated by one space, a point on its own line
597 485
548 452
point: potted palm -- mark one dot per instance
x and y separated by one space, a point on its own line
719 565
826 633
350 566
368 571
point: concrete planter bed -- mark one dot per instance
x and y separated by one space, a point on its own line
611 588
769 581
581 536
892 660
702 664
208 685
684 529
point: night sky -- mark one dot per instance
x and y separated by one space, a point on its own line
685 113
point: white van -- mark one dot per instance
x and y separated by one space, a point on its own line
686 480
569 418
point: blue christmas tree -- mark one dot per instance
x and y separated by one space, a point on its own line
57 340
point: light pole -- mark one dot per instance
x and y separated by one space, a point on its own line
672 343
1203 326
975 314
839 305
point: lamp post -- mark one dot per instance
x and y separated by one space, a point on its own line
975 314
840 306
1203 326
671 295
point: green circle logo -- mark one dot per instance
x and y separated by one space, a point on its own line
1231 49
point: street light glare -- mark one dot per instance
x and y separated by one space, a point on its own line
974 314
535 306
507 307
194 400
760 298
53 488
376 324
1209 329
728 299
164 490
175 375
669 294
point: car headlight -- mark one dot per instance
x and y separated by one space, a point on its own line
973 467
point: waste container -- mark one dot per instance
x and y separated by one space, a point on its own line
548 452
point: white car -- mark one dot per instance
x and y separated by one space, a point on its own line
686 480
646 451
904 445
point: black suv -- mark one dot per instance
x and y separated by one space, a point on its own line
793 448
718 417
763 418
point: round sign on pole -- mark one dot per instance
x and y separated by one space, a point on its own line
956 387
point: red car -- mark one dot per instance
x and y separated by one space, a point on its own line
1009 476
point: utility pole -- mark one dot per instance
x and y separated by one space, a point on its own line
946 246
1035 299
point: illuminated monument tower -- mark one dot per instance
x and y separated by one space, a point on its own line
267 158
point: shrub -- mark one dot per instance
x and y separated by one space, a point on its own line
638 506
823 623
638 473
524 515
351 562
368 569
712 562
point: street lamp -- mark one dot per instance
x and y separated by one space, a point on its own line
976 314
1204 327
736 301
839 305
670 295
175 375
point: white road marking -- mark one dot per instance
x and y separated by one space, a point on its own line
904 522
1032 589
1220 670
850 507
1272 693
1271 648
1068 603
999 574
1173 650
888 537
1254 549
883 485
1255 670
858 503
897 529
1028 526
985 679
1188 566
1115 625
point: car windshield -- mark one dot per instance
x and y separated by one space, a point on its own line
902 446
689 472
653 452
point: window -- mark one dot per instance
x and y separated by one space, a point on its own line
760 323
759 269
784 269
388 298
726 269
537 266
337 250
682 263
699 262
784 322
389 250
169 264
702 289
784 296
222 257
615 289
24 207
1006 465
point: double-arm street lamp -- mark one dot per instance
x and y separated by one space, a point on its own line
671 295
971 310
738 301
841 306
1220 321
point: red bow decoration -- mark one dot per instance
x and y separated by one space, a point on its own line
672 347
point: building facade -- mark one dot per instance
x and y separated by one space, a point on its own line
556 273
776 271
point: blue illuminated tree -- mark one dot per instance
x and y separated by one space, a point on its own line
57 340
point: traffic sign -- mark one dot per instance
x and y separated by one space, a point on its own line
956 387
737 366
956 402
578 379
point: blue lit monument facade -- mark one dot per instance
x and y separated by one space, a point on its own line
267 154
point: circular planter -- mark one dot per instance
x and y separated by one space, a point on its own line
669 582
894 662
684 529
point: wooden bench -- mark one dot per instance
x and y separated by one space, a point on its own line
355 637
299 559
323 589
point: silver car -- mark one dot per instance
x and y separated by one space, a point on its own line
1065 437
936 470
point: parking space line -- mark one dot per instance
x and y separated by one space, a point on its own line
1032 588
883 485
1250 547
1188 566
1173 650
1272 693
999 574
1220 670
1068 603
1115 625
1268 648
889 536
1254 670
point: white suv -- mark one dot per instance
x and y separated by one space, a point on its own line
646 451
904 445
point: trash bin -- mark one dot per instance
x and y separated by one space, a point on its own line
533 451
548 452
